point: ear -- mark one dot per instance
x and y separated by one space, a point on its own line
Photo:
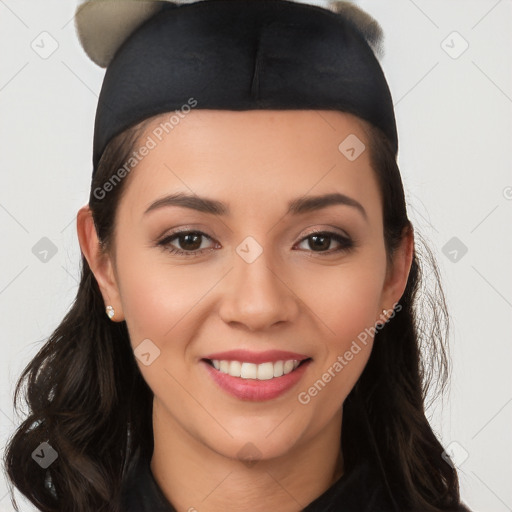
99 261
398 273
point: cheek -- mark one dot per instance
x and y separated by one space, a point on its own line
357 298
157 298
345 301
346 298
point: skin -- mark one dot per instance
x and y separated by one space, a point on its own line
292 297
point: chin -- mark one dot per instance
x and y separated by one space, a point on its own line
261 438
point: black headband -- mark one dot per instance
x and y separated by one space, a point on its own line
242 55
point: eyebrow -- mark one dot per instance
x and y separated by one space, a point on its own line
297 206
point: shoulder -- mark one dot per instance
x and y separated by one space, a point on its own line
140 491
361 489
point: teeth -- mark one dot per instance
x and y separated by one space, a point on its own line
263 371
278 368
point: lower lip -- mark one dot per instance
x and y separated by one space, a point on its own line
253 389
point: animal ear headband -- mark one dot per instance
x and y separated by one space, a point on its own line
232 55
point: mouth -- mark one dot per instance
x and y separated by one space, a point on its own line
256 376
263 371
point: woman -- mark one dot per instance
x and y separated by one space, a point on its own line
245 334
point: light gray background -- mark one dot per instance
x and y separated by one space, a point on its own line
454 123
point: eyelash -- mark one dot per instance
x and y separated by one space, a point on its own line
346 243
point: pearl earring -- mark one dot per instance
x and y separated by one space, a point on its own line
110 312
385 313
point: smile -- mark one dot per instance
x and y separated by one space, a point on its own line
256 376
263 371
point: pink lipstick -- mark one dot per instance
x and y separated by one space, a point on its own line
256 376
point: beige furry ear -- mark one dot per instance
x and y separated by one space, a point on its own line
103 25
365 23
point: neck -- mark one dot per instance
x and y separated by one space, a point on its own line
192 476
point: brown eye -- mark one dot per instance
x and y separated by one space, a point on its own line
189 242
320 242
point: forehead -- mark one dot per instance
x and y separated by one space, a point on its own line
253 158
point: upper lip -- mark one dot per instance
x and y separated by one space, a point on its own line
256 357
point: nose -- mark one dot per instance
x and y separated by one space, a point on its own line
256 296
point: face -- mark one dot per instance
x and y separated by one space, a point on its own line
246 283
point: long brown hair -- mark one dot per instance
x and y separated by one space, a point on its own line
86 396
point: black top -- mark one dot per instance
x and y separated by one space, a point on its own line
361 490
